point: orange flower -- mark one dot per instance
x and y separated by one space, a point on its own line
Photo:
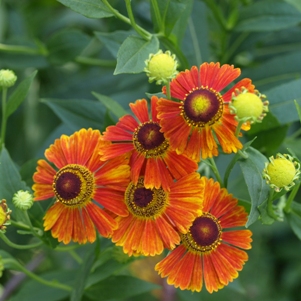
156 216
209 253
151 155
189 125
81 178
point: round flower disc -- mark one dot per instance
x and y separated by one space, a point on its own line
204 234
149 140
143 202
202 106
73 184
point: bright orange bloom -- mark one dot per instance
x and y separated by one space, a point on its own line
151 155
203 113
156 216
81 184
208 252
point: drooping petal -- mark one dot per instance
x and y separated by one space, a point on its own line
239 238
139 108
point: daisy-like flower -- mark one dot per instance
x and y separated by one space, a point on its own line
210 252
203 112
81 184
156 216
151 154
4 215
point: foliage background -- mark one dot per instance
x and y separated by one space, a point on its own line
85 80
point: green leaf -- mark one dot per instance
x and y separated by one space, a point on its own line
114 107
65 45
294 218
268 15
113 40
19 94
78 113
94 9
282 101
83 273
252 172
133 52
10 182
119 288
10 262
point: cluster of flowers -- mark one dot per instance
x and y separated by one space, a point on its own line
137 183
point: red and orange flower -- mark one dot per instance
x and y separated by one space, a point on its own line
157 216
208 253
203 112
151 155
82 185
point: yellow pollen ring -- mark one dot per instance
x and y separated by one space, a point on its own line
80 179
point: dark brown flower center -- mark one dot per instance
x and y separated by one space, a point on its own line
202 106
204 235
145 203
73 184
149 140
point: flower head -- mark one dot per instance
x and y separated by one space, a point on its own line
249 106
211 251
7 78
202 116
23 200
281 172
4 215
83 186
156 216
150 153
161 67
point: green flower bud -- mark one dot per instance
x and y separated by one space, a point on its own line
249 106
7 78
161 67
281 172
23 200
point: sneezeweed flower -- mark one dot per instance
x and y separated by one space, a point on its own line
156 216
4 215
81 184
210 252
248 106
203 112
7 78
161 67
150 152
281 172
23 200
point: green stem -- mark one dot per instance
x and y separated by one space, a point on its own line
141 31
158 15
20 247
33 231
215 171
291 197
270 207
95 62
37 278
168 95
76 257
230 167
3 125
239 125
19 49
